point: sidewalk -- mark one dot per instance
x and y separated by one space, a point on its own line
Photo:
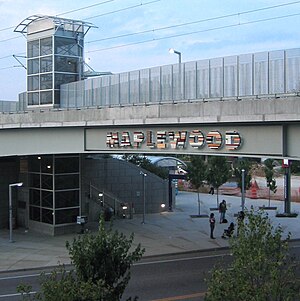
162 233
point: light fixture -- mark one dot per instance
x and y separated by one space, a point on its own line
172 50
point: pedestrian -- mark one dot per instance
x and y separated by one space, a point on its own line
212 190
222 210
240 220
212 222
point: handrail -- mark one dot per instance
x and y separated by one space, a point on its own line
119 208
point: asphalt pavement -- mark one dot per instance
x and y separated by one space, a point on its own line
168 232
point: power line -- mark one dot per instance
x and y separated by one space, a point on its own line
11 67
68 12
7 28
11 55
9 39
194 32
85 7
122 9
193 22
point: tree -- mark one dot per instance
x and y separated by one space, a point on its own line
261 268
245 165
102 264
144 162
218 172
269 173
197 175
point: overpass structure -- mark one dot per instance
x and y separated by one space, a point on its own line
241 106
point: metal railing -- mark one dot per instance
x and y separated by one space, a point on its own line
108 201
274 72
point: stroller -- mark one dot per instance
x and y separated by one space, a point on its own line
229 231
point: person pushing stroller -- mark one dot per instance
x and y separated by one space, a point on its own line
229 231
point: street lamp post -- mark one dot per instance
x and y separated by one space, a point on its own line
172 50
10 207
144 193
243 189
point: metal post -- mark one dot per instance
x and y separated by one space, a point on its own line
10 208
144 192
243 189
287 190
10 215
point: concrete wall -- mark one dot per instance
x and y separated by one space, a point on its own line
124 181
58 131
269 109
8 175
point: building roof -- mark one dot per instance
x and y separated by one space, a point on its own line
23 26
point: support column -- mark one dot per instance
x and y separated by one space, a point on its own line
287 189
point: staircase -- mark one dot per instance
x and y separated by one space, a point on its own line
108 203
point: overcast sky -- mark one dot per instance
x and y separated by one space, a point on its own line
135 34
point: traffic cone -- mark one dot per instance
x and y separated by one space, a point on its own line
254 187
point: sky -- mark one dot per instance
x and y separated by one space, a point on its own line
133 34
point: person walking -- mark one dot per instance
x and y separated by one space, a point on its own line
212 222
240 220
222 210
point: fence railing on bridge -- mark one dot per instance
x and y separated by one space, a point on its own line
273 72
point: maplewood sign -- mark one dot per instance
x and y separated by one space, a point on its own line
173 139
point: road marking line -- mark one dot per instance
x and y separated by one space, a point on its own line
23 276
14 295
181 259
184 297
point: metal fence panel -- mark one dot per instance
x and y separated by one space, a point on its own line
276 72
216 77
245 79
134 86
89 93
124 88
190 80
244 75
178 82
261 73
114 97
202 81
105 91
155 84
230 76
167 83
292 70
144 85
97 82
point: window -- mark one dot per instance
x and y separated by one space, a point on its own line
33 49
46 64
66 64
67 47
46 46
46 81
66 216
33 66
33 83
33 98
46 97
63 195
64 79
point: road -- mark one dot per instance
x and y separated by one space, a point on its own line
160 278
